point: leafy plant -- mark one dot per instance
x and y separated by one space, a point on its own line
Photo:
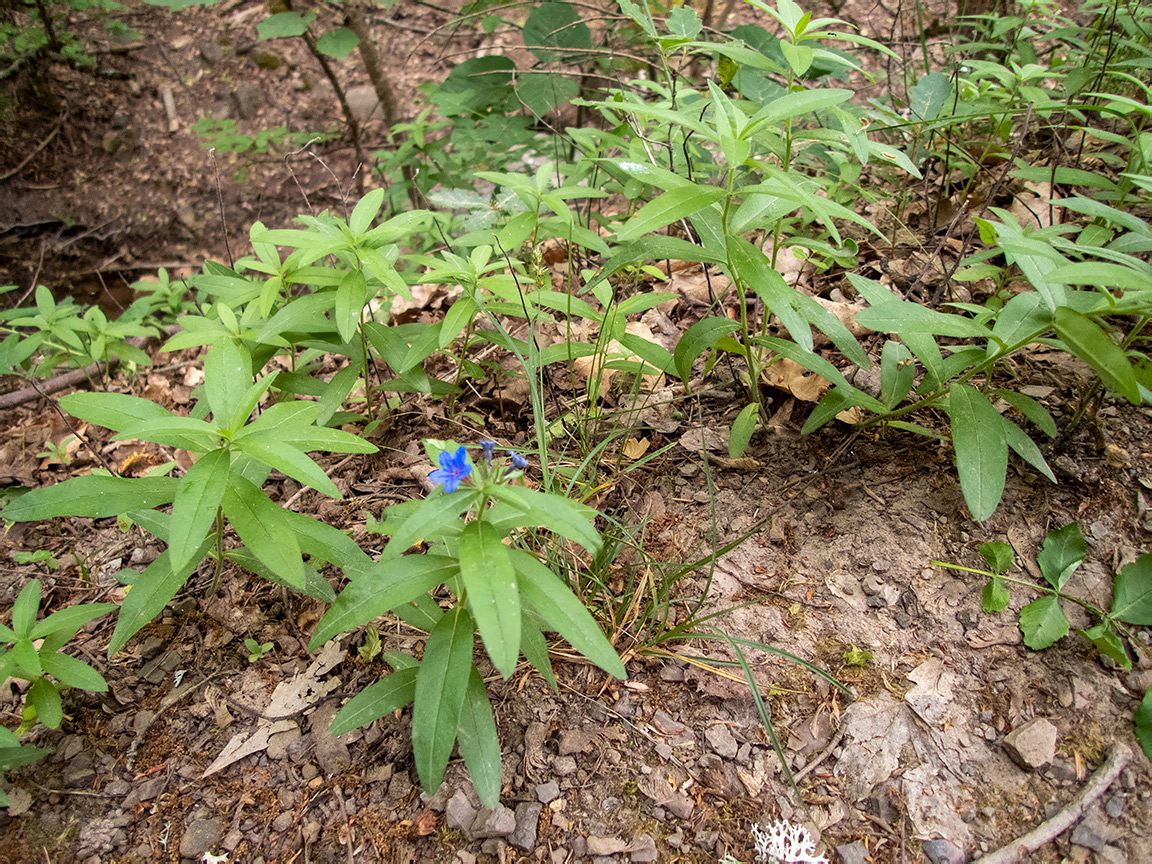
44 665
256 650
1043 621
234 458
476 530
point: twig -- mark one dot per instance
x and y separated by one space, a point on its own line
1072 813
824 754
167 702
48 140
347 821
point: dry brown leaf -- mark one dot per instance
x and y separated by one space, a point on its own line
589 367
791 377
634 448
697 286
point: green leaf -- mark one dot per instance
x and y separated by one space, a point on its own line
266 448
535 647
1143 723
1026 448
1031 409
751 266
1043 622
555 25
45 699
338 43
995 598
998 554
666 208
427 519
562 611
441 686
375 701
683 23
351 295
697 339
284 24
243 410
1062 552
742 428
479 743
73 673
493 598
111 410
150 593
929 95
71 619
1132 592
25 608
264 529
897 373
227 377
1108 643
542 92
981 450
1091 344
383 587
903 317
92 496
554 512
197 500
366 209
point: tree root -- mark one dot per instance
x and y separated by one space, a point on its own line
1072 813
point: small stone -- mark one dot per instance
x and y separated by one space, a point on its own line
1061 770
463 857
548 792
118 787
853 853
663 750
671 673
642 849
1094 832
527 819
564 766
248 99
200 836
943 852
363 103
459 814
495 822
282 822
1115 807
606 846
680 806
720 737
210 53
1033 745
876 602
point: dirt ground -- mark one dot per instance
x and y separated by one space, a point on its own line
191 752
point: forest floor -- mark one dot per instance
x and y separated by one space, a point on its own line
674 764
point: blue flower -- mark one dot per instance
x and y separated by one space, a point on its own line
518 461
488 447
452 470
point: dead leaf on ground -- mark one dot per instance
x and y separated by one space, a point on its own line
791 377
634 448
590 367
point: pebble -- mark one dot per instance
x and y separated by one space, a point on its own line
1032 745
527 819
547 792
643 849
201 835
564 766
853 853
496 822
720 737
1115 807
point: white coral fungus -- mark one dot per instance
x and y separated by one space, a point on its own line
785 843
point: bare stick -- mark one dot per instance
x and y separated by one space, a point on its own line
220 201
1064 820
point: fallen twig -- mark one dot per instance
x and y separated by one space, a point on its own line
1072 813
47 140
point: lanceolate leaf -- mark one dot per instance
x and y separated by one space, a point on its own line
697 339
1132 592
112 410
560 608
264 530
667 208
981 450
197 500
385 586
92 496
493 597
742 429
1062 552
561 515
150 593
441 686
1087 341
479 743
1043 622
1108 643
73 673
1144 723
375 701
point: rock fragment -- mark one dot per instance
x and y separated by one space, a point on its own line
1033 745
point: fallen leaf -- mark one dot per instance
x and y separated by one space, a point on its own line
791 377
634 448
